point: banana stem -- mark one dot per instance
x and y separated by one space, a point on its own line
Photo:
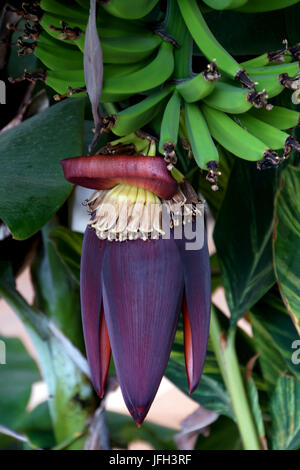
224 349
177 29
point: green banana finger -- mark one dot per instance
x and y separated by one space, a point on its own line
208 44
231 99
291 69
270 83
115 70
203 147
51 23
224 4
257 6
151 76
201 85
64 9
58 55
108 26
281 56
272 137
126 50
136 116
279 117
232 136
170 125
61 80
131 9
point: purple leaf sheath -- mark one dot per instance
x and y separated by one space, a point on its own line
93 68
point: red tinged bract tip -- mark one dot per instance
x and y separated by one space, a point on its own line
196 308
106 171
94 325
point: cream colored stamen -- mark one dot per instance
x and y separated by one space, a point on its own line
128 213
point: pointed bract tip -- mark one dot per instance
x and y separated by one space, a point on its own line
139 414
193 386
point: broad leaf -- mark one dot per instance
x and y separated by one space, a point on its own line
57 293
37 426
286 241
71 398
274 334
286 414
16 377
224 435
243 235
33 186
68 245
123 430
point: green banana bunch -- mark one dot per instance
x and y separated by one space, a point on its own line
134 117
279 117
208 44
233 137
201 85
130 9
170 127
201 109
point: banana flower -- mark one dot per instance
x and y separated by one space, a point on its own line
134 282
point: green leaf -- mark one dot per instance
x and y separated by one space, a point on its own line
210 392
33 186
123 430
16 377
286 414
223 435
37 426
57 293
255 407
286 241
274 334
71 397
68 245
243 236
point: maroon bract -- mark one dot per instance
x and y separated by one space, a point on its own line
106 171
142 287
